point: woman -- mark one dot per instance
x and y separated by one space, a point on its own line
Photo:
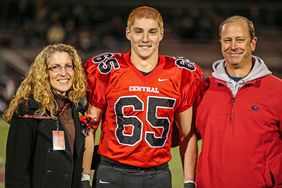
45 142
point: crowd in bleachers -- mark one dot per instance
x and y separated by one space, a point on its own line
88 26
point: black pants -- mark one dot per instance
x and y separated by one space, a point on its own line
110 174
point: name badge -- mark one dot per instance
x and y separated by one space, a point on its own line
58 140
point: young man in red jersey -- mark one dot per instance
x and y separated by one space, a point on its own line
138 96
241 131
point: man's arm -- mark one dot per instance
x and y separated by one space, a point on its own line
187 144
89 143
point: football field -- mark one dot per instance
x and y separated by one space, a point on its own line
175 163
3 138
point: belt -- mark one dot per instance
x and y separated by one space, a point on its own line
112 163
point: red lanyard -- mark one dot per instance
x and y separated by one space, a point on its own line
62 110
58 122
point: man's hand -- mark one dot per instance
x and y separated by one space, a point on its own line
189 185
85 184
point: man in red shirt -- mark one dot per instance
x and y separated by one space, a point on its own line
138 96
239 116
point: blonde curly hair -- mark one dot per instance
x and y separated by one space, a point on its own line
36 84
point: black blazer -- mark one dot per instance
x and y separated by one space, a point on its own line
30 160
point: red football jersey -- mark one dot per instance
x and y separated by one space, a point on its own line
139 110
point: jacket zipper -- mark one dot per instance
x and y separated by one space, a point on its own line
232 108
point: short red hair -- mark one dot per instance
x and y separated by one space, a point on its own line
145 12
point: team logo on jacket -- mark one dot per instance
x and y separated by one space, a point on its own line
255 108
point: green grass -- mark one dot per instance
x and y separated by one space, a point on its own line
175 163
176 169
3 138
